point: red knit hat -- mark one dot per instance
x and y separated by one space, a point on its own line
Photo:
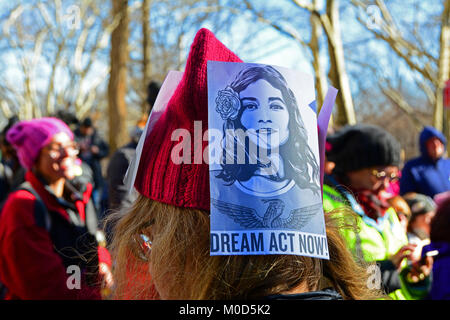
158 177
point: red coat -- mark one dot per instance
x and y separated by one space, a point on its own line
29 266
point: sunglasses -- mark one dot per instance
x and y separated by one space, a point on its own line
381 175
55 151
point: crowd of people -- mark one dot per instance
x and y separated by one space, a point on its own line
59 209
394 222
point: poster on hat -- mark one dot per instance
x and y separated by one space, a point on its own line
263 156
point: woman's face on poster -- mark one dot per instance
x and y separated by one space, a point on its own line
265 114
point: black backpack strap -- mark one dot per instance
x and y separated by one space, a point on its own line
42 216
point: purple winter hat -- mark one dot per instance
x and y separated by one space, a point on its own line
28 137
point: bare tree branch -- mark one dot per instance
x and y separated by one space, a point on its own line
400 102
290 33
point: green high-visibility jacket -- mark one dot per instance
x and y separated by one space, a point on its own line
376 240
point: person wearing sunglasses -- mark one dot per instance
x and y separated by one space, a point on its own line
367 160
50 244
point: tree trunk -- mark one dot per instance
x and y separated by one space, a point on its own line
441 116
319 74
117 86
146 45
320 78
338 73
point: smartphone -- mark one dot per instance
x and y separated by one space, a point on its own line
431 253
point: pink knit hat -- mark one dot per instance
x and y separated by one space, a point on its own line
29 137
160 179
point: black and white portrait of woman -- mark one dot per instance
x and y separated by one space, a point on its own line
268 176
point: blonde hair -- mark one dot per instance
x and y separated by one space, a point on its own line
180 259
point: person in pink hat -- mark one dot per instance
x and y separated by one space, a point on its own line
48 227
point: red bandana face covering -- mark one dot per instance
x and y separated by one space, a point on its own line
373 205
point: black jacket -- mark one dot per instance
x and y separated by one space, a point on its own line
325 294
117 167
93 160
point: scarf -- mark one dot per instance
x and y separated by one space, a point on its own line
373 205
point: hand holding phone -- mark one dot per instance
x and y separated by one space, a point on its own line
422 268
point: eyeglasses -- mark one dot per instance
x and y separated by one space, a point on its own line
381 175
55 151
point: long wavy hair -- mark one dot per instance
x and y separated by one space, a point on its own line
180 260
301 165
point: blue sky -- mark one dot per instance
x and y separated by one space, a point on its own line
270 47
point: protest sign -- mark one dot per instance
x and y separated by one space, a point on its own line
264 162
